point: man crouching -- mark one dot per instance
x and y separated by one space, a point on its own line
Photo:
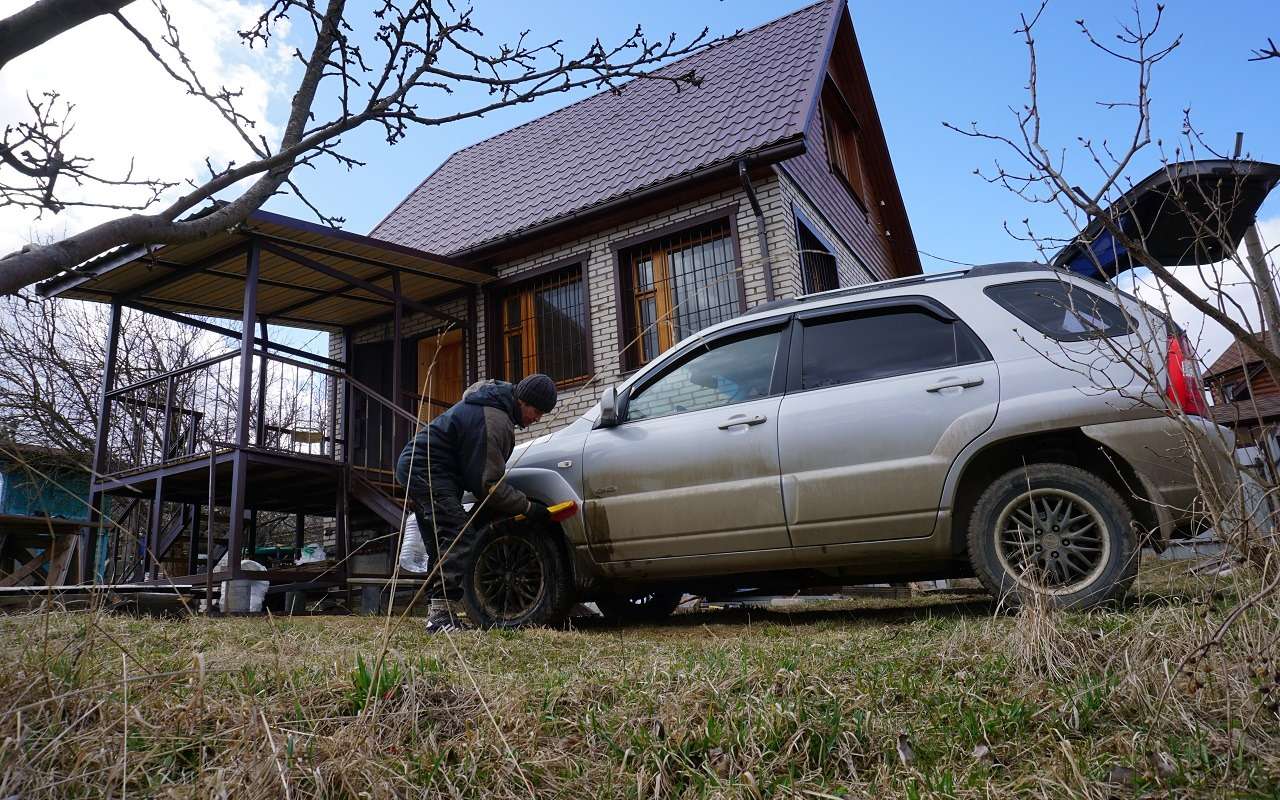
465 449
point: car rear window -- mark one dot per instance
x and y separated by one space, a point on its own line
1061 310
883 344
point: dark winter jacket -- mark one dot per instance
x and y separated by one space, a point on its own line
466 449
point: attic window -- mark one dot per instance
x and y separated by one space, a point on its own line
844 143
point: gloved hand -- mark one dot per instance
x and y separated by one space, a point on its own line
538 512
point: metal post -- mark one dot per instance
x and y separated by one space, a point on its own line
473 341
193 545
299 533
1262 276
396 377
208 553
261 428
240 463
1266 287
100 444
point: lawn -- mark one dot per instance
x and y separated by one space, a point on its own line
932 696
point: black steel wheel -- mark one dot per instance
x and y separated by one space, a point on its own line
1054 533
645 606
518 576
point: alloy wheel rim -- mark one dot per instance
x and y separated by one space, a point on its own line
509 578
1052 541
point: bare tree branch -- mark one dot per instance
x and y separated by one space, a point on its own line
39 22
425 53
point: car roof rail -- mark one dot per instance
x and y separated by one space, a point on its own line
910 280
1008 267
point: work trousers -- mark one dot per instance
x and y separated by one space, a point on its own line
449 539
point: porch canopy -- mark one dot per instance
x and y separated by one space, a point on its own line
307 275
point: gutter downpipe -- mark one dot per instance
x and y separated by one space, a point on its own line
760 228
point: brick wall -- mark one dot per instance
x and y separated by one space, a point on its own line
777 195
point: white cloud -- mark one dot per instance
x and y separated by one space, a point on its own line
128 108
1225 285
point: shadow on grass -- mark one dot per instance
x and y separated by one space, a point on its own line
856 610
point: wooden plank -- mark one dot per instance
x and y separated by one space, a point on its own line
61 562
25 570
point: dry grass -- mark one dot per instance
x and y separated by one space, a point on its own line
931 697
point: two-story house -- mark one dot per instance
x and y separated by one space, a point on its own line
625 221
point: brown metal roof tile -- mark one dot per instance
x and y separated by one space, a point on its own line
755 93
1234 356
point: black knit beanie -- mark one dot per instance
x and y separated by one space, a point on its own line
538 391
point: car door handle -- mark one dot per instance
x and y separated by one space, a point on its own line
742 419
955 383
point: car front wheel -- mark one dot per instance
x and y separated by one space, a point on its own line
518 577
1054 534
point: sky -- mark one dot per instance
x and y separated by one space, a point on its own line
928 62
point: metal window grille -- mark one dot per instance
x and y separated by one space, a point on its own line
544 328
817 264
677 286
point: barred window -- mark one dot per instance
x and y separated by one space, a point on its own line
543 328
817 264
676 286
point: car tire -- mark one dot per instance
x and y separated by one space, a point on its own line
651 606
1054 534
518 577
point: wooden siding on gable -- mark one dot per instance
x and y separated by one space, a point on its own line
827 191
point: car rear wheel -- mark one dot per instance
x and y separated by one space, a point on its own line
651 606
518 577
1055 534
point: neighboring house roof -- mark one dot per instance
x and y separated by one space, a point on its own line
1247 411
1235 356
757 92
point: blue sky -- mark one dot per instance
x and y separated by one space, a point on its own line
928 62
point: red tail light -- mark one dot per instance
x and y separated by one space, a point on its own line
1185 391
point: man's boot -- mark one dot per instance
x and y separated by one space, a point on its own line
443 616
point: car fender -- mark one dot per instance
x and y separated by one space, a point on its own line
550 487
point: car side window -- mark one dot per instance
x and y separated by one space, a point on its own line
881 344
1061 310
733 372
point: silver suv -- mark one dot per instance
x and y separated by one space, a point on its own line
1012 421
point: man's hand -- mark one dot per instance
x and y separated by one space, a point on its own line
538 512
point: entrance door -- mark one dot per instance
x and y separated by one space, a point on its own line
441 375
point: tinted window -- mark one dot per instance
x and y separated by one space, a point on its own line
882 344
733 372
1061 310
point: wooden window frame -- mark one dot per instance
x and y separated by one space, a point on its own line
843 136
626 299
525 284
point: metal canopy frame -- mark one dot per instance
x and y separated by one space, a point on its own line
252 245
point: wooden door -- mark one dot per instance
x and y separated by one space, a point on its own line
441 374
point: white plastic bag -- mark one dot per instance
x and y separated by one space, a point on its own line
413 552
257 589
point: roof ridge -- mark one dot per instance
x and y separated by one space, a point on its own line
594 95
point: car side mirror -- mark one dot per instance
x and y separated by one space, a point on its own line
608 408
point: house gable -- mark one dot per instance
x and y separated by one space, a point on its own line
846 171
